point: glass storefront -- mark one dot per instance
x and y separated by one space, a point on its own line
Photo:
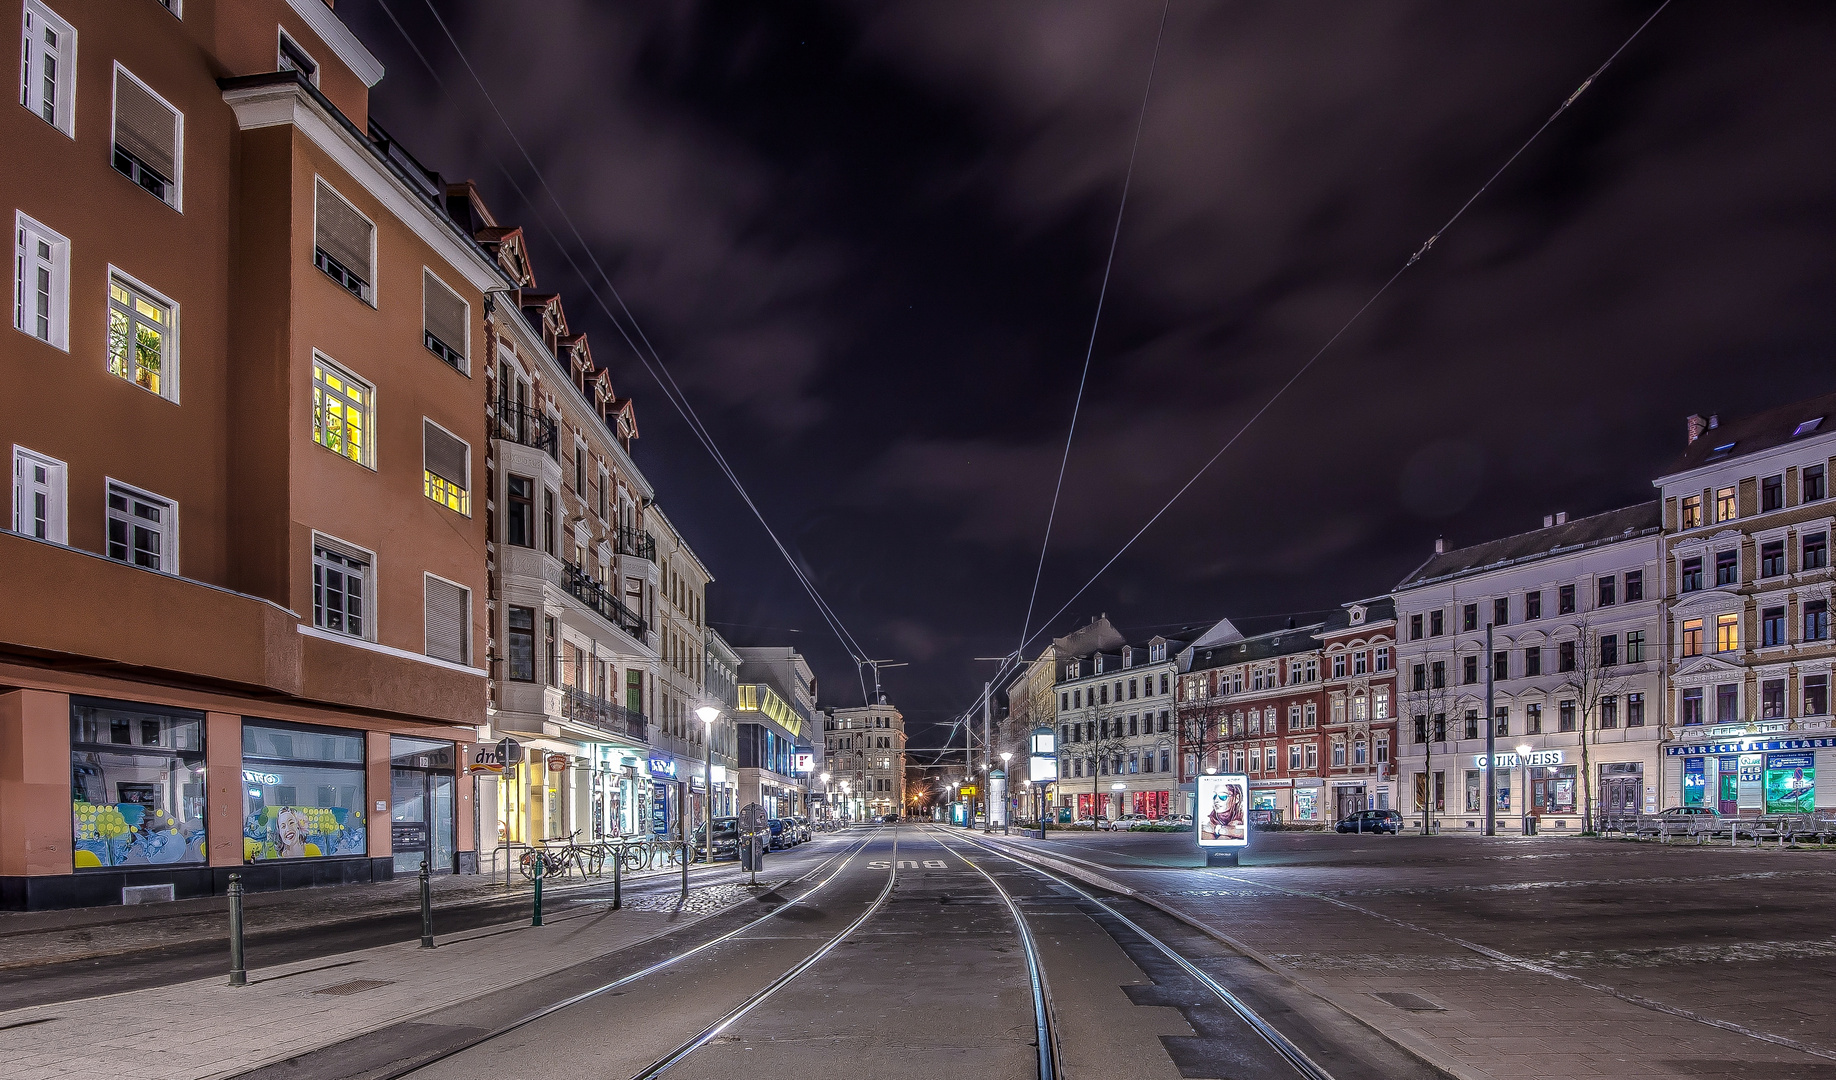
302 792
136 784
1553 789
421 778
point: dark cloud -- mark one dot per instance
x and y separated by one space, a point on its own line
869 238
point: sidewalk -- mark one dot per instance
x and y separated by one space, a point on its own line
32 938
1473 1011
207 1030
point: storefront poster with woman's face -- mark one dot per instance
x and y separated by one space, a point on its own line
1223 802
303 832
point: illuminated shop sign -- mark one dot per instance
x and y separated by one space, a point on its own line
803 761
249 776
1536 758
662 766
1749 745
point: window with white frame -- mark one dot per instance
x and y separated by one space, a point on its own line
142 529
449 619
444 321
343 243
446 462
341 593
41 282
47 69
341 408
142 336
149 137
291 57
38 496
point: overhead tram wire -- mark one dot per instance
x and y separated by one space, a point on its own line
665 382
1096 321
1419 254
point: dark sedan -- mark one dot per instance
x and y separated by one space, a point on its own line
1372 821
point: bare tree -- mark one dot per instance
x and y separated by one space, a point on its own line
1426 699
1592 674
1202 732
1103 742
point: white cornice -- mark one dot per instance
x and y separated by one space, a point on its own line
337 35
404 654
287 103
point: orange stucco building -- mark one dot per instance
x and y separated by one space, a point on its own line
242 572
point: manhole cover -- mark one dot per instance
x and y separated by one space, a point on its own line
355 986
1409 1002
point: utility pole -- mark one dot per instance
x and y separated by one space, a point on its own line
1491 742
987 744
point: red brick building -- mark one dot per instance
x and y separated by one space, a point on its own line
1358 721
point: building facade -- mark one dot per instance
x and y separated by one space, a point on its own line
242 618
1358 671
679 735
1116 734
775 709
1746 569
864 759
1578 680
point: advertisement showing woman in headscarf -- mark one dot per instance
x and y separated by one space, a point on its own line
1223 803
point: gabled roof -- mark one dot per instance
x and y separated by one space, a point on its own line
1627 523
1283 642
1761 431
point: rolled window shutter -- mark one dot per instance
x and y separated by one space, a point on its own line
444 455
145 128
444 313
446 621
343 233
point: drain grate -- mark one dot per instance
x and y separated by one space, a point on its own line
1409 1002
355 986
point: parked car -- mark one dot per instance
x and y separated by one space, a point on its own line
1372 821
890 818
726 838
780 834
1689 811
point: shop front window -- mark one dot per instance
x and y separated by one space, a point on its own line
302 793
136 785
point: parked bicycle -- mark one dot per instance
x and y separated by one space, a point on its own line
589 858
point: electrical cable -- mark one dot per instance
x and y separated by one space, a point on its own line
1083 377
658 371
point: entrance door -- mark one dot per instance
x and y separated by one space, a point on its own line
1728 800
1350 800
441 806
1620 796
408 819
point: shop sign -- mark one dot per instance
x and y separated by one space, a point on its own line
1282 782
558 762
250 776
1749 745
1791 783
662 766
408 835
1535 759
720 774
1223 804
696 783
659 812
803 761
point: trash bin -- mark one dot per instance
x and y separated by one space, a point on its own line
1529 824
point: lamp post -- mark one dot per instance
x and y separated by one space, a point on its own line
1523 761
1007 810
708 714
847 809
1118 787
828 800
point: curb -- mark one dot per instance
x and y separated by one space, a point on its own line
1427 1055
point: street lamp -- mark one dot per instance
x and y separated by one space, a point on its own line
708 714
848 810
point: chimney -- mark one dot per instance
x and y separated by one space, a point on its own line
1561 518
1548 520
1440 545
1714 421
1696 426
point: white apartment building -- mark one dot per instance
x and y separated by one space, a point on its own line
1749 520
1117 737
1576 610
863 752
679 740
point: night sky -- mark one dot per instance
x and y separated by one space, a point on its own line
868 241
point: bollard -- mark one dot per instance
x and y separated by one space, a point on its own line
685 857
618 878
238 975
536 918
427 941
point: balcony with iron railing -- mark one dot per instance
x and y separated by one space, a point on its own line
629 541
587 589
586 709
525 426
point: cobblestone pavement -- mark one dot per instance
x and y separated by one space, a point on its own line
1524 957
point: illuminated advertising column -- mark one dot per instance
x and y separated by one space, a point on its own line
1223 817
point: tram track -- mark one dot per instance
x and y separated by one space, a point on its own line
460 1047
1283 1047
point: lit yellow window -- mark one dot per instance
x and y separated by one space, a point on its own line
1727 633
340 411
139 336
1692 511
1724 504
1692 637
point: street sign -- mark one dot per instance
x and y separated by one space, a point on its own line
509 752
751 817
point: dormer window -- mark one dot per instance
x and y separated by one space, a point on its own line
1357 615
1807 427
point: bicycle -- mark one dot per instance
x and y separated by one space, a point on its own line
555 863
